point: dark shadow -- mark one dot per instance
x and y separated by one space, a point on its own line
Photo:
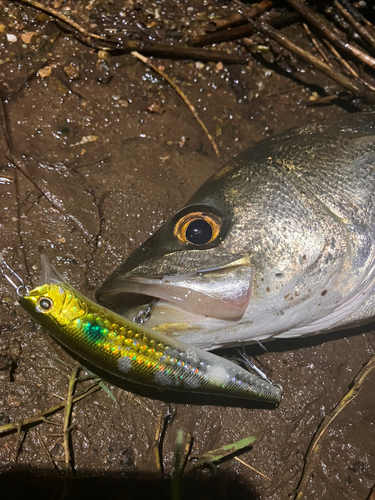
22 483
294 343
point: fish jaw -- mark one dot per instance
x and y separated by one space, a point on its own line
221 293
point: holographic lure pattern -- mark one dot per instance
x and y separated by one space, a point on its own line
135 353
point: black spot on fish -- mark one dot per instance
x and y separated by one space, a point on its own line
323 293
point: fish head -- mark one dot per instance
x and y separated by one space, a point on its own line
54 304
187 264
277 242
201 264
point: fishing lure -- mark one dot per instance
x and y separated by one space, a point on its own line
128 350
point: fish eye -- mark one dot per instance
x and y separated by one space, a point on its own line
198 228
44 304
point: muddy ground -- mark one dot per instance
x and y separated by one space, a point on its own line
109 155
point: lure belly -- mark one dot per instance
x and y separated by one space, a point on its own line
134 353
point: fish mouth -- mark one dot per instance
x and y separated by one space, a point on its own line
221 293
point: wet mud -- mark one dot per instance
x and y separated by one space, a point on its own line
106 151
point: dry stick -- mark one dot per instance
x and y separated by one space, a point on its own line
252 468
347 65
358 16
348 15
158 50
192 53
314 448
341 60
165 51
187 451
354 87
237 18
285 91
46 450
67 417
148 63
56 13
40 417
157 444
317 45
243 31
327 32
227 22
19 442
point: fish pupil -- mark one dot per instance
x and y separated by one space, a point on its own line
199 232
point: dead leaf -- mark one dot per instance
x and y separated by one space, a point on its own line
213 456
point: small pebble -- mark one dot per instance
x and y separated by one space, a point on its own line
29 37
45 72
11 38
72 72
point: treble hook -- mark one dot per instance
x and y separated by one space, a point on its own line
145 314
7 273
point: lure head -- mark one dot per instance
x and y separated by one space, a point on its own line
53 305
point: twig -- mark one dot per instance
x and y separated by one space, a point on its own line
243 31
19 442
157 50
354 87
67 418
285 91
348 15
252 468
164 51
161 429
237 18
158 444
340 59
325 30
46 450
346 65
358 16
56 13
316 44
148 63
36 419
314 448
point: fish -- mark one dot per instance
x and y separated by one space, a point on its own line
277 243
129 350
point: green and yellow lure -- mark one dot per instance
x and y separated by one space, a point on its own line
132 352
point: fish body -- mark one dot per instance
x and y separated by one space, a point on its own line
134 353
278 243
